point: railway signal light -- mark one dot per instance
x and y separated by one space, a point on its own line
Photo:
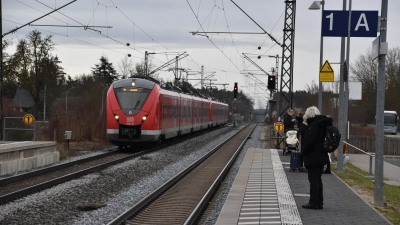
271 82
235 90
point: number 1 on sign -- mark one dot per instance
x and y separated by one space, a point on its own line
330 17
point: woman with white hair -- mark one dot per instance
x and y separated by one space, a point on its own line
314 156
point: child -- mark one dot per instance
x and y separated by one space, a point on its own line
345 154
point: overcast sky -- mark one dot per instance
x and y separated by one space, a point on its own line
164 26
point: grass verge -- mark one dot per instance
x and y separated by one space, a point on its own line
356 178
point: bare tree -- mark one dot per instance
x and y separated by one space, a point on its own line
139 70
125 67
365 70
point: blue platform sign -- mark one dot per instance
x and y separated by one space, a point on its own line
363 23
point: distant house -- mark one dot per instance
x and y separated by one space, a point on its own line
22 99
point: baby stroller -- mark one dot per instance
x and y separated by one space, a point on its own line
291 142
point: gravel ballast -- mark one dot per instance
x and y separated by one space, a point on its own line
121 186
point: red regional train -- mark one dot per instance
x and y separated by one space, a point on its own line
142 110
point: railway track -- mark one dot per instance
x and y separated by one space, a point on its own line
183 198
15 187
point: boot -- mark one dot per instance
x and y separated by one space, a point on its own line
310 206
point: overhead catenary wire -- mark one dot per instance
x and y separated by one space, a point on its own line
209 39
86 42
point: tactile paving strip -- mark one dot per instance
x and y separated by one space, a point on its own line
260 193
287 205
260 204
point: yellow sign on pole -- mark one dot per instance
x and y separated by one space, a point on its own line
278 126
326 73
28 119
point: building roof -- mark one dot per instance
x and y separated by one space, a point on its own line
23 98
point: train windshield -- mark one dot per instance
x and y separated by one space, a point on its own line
132 98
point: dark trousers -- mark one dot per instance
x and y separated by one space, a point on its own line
328 167
316 187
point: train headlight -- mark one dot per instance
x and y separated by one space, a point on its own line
116 117
133 83
144 118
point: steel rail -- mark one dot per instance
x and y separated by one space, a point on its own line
134 210
30 190
202 205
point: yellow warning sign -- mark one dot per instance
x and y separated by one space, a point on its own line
28 119
326 73
278 126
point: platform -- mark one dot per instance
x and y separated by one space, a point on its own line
26 155
265 192
260 193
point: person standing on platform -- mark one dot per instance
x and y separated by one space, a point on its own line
301 129
288 121
314 157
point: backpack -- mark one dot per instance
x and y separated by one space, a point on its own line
332 139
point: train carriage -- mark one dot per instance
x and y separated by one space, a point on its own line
141 111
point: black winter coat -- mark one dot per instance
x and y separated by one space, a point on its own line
313 154
287 122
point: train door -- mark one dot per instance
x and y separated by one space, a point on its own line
190 115
194 113
160 115
175 113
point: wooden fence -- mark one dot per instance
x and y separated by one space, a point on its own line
367 143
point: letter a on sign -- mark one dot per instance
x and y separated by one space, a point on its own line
326 73
364 24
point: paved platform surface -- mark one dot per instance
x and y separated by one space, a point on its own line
253 199
341 205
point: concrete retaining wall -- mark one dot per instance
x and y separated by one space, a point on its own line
21 156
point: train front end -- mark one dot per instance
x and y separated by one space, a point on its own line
132 112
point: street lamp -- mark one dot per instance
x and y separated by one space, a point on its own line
316 6
66 99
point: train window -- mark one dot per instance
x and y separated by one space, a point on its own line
129 98
163 111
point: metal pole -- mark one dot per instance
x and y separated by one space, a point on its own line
341 120
44 105
4 128
55 135
234 111
321 55
202 77
34 130
145 63
346 85
370 165
380 107
1 68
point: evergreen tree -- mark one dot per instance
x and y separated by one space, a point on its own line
105 72
35 68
